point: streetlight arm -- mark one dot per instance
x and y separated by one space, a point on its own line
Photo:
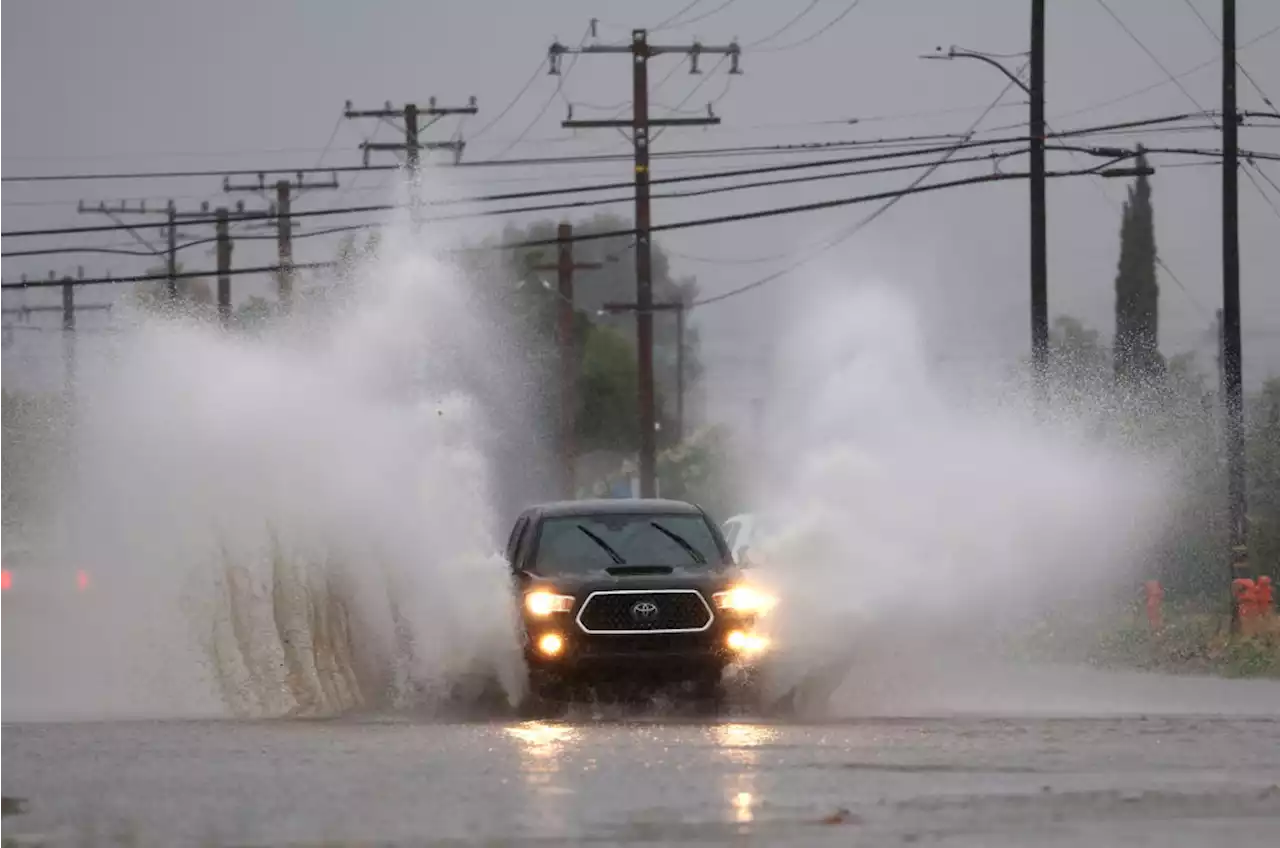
954 53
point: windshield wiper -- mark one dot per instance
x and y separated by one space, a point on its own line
617 557
682 542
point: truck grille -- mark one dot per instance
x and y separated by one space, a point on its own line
638 611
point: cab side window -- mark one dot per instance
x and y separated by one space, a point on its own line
514 540
730 530
523 542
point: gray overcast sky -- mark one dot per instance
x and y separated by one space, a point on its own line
162 84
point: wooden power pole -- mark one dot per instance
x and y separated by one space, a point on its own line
1232 355
411 112
1039 209
282 208
412 146
640 123
564 266
117 214
68 309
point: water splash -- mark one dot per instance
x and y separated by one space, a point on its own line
921 520
299 522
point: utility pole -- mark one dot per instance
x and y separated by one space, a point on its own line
410 112
1232 356
68 309
412 146
118 213
641 52
564 268
1039 210
1039 205
224 265
679 308
282 207
69 332
222 233
171 213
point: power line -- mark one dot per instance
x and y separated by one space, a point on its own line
666 22
786 26
716 220
557 92
852 5
1265 99
1209 28
328 144
696 18
1152 56
856 228
1248 174
672 195
1159 84
167 175
537 72
562 160
948 149
542 193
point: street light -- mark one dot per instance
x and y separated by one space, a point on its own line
1039 235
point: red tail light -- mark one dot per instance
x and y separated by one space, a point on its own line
5 580
82 580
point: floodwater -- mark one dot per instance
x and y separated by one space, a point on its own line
1162 778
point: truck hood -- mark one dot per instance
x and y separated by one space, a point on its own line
705 578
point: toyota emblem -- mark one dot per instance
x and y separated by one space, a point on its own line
644 611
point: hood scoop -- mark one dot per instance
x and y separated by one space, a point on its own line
637 570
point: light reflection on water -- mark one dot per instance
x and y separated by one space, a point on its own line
543 751
739 745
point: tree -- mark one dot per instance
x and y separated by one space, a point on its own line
1078 359
255 314
34 454
608 401
615 282
1137 354
350 254
195 295
607 389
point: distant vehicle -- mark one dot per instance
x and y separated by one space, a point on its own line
640 594
745 533
22 577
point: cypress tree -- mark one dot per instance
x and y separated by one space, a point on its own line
1137 341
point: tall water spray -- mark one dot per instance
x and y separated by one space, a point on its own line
297 523
920 521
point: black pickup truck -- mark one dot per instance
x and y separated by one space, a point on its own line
638 595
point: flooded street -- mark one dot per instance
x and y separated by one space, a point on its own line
961 780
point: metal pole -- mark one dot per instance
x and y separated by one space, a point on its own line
644 282
284 244
69 335
680 373
1233 390
171 263
411 136
568 394
224 265
1039 213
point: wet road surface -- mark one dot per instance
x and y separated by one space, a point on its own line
958 781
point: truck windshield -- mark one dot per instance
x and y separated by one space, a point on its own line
592 542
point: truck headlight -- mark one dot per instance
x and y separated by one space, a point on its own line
743 598
541 604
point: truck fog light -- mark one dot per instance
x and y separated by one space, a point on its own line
746 643
551 644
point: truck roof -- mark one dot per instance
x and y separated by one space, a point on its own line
614 506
